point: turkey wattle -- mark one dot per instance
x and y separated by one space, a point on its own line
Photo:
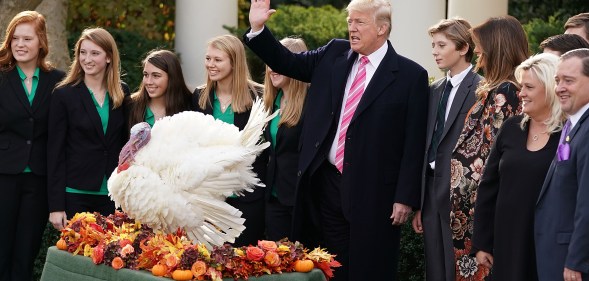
178 173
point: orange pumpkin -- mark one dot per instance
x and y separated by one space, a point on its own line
159 270
303 265
182 275
61 244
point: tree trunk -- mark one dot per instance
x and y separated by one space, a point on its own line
9 8
55 12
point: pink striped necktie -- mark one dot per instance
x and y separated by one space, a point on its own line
354 96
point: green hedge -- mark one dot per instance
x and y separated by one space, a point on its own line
50 237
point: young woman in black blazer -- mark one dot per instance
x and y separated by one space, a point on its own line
87 129
228 95
162 92
26 83
284 131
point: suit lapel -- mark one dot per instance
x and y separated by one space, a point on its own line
383 77
436 94
90 108
459 98
341 69
41 93
18 90
575 129
553 164
547 179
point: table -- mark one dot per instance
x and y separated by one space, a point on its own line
63 266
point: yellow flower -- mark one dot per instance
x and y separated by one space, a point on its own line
87 250
202 249
283 248
239 252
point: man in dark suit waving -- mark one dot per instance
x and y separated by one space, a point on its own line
361 148
562 212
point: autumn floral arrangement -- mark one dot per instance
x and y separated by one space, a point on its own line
121 242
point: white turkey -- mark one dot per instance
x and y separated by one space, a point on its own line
178 173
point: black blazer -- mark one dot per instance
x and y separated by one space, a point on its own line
283 162
240 120
23 128
80 154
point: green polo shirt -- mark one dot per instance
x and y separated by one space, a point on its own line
103 112
274 127
227 116
30 95
149 117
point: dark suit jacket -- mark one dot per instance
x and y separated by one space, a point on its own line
561 228
384 145
240 120
23 127
463 101
283 162
80 154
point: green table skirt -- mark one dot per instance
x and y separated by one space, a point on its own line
63 266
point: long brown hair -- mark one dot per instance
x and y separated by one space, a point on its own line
7 61
504 46
241 82
177 96
112 76
292 111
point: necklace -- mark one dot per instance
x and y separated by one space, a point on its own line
535 137
28 80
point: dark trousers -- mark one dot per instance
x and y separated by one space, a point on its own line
23 205
278 219
437 235
77 203
336 229
253 213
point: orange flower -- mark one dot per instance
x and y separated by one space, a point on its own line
254 253
98 254
272 259
267 245
199 268
172 261
124 242
128 249
117 263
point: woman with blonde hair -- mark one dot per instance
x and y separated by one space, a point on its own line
87 129
287 95
526 144
228 95
162 91
501 45
26 82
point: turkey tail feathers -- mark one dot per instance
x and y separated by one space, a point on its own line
259 116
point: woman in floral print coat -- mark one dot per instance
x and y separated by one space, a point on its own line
501 45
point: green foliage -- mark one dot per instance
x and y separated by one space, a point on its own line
526 10
132 48
411 255
49 239
539 29
315 25
153 19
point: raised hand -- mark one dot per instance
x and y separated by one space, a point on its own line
260 12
